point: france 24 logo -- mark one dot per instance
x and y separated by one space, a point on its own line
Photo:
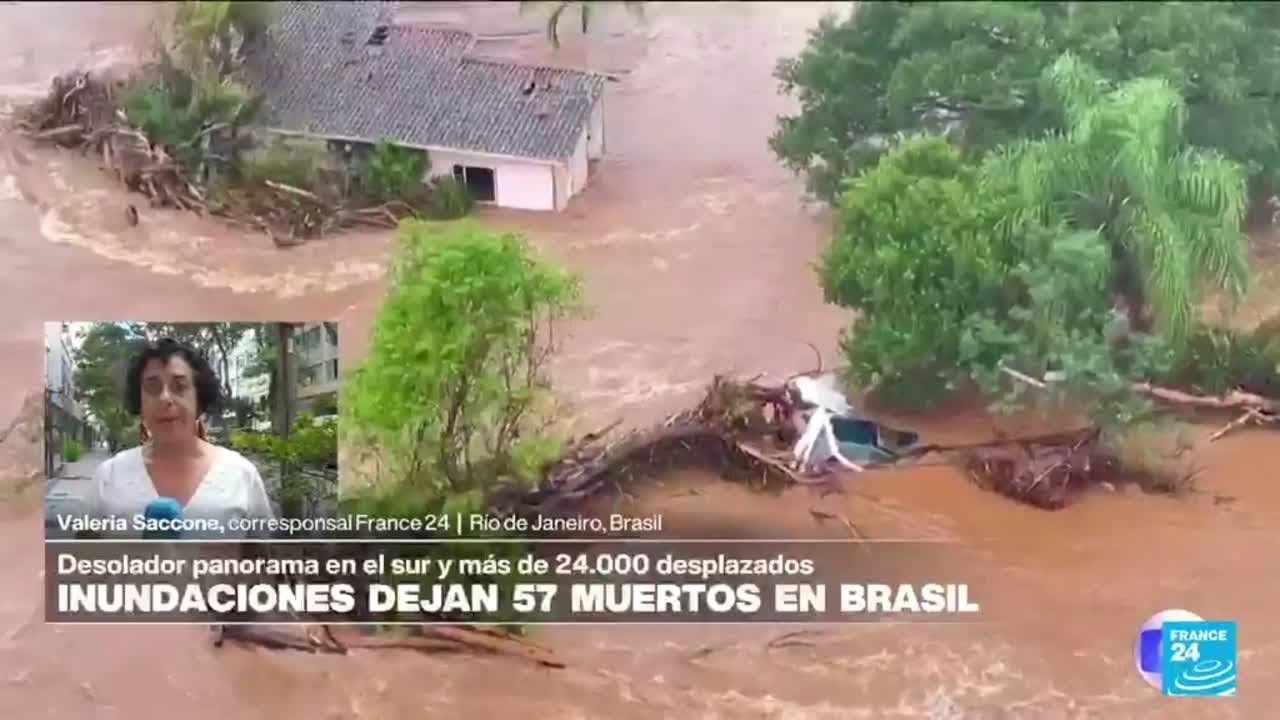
1180 653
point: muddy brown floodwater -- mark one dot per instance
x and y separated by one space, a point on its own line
696 250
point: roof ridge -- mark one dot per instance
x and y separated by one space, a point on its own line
489 60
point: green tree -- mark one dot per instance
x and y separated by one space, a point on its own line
1171 213
455 381
101 361
974 69
958 267
584 8
914 255
216 33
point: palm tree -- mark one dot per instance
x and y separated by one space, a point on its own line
584 8
217 32
1171 213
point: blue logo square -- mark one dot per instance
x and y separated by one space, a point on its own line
1150 643
1198 658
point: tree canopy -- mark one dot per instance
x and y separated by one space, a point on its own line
975 70
958 266
101 362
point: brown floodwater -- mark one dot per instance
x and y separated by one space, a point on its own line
695 248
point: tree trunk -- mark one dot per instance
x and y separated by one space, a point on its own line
284 385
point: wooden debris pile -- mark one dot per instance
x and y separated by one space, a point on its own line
1045 472
76 106
742 431
292 215
82 112
727 432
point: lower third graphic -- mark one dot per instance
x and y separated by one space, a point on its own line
1180 653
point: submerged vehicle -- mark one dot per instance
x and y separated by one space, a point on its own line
831 430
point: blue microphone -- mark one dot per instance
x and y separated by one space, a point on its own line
163 508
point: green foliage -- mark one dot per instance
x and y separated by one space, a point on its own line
391 172
975 68
213 34
1170 212
457 370
298 163
959 269
454 388
176 110
309 444
913 253
1217 360
101 361
450 198
71 450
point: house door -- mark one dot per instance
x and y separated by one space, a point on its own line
479 181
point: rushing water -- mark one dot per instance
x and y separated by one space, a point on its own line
695 248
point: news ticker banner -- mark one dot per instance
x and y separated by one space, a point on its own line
491 581
71 524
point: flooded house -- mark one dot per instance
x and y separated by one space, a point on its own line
518 136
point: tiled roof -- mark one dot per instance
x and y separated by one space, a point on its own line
418 87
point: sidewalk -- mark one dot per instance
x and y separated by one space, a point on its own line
84 467
65 494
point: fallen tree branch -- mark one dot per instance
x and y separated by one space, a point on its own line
293 190
1251 416
1234 400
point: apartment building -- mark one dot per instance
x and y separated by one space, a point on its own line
315 359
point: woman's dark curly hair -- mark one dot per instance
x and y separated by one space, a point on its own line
208 390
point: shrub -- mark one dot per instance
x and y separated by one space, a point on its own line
1217 360
450 198
309 444
71 450
454 392
391 172
300 163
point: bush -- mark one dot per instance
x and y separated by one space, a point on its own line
71 450
454 388
172 106
1217 360
300 163
309 444
454 393
450 198
391 172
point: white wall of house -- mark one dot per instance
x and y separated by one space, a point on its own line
595 131
519 184
578 164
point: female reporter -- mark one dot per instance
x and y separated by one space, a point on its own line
175 471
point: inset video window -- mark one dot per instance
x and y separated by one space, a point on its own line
159 430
